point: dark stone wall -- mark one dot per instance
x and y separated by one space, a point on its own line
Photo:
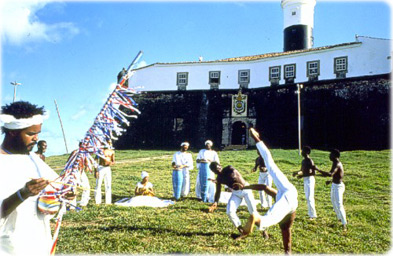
346 114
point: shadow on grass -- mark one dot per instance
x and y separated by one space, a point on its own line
155 230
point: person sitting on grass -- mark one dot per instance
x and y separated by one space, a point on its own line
144 195
144 188
283 211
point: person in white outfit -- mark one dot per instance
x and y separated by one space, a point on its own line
24 230
84 181
182 163
104 173
307 172
338 186
264 178
204 188
283 210
233 179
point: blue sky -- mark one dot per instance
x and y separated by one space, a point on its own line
71 51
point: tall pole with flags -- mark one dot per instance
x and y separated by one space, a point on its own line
15 84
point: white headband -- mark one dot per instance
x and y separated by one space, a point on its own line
12 123
184 144
209 142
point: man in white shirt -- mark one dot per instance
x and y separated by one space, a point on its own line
23 229
182 163
205 189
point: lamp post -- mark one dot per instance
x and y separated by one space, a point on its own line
299 128
15 84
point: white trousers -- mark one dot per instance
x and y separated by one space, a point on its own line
86 191
235 201
265 178
337 195
211 191
185 190
309 191
105 174
286 198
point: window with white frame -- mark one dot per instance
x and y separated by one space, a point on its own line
214 77
289 71
341 64
313 68
182 78
244 76
274 73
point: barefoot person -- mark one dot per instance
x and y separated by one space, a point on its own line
264 178
338 186
233 179
283 210
104 173
24 230
307 172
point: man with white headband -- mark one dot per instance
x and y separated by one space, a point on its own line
205 189
182 163
23 229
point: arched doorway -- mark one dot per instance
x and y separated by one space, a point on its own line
239 130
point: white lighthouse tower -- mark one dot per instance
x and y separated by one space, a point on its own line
298 24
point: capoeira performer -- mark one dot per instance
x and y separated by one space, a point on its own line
24 230
84 181
41 149
307 172
264 178
182 163
338 186
204 188
233 179
104 173
283 210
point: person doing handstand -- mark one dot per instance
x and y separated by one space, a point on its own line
283 211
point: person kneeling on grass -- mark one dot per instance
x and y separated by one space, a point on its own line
283 210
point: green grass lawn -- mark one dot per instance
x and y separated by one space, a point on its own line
186 227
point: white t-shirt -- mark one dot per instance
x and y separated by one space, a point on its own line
25 231
183 158
209 155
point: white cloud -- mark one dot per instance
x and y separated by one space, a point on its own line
141 64
20 24
78 115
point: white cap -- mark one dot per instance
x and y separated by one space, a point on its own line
144 174
209 142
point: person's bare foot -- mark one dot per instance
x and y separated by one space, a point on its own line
254 134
